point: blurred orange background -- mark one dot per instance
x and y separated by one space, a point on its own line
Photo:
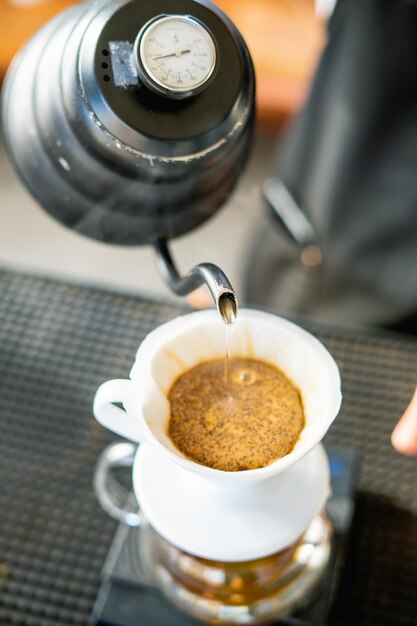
284 36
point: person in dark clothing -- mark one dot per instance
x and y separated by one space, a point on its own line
346 186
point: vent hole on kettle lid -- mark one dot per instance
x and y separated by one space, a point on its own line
104 66
105 53
106 77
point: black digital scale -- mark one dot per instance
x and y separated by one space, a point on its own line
127 598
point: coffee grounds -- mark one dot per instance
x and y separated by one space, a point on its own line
249 422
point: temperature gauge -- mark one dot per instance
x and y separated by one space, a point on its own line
175 56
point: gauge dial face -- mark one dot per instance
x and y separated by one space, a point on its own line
176 55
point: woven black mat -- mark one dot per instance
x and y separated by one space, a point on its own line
58 342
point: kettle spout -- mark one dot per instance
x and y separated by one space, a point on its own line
209 274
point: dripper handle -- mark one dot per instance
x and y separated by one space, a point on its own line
109 491
112 417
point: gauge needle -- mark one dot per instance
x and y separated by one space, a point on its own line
174 54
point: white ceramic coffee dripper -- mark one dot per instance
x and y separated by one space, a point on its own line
213 514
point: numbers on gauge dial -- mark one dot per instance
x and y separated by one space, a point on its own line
177 53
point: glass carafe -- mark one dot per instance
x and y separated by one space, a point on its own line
247 592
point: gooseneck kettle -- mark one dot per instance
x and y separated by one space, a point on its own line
130 122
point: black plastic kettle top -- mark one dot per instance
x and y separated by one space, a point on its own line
130 120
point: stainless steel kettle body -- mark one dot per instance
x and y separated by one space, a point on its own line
104 154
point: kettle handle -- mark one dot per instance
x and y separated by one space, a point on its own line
109 491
